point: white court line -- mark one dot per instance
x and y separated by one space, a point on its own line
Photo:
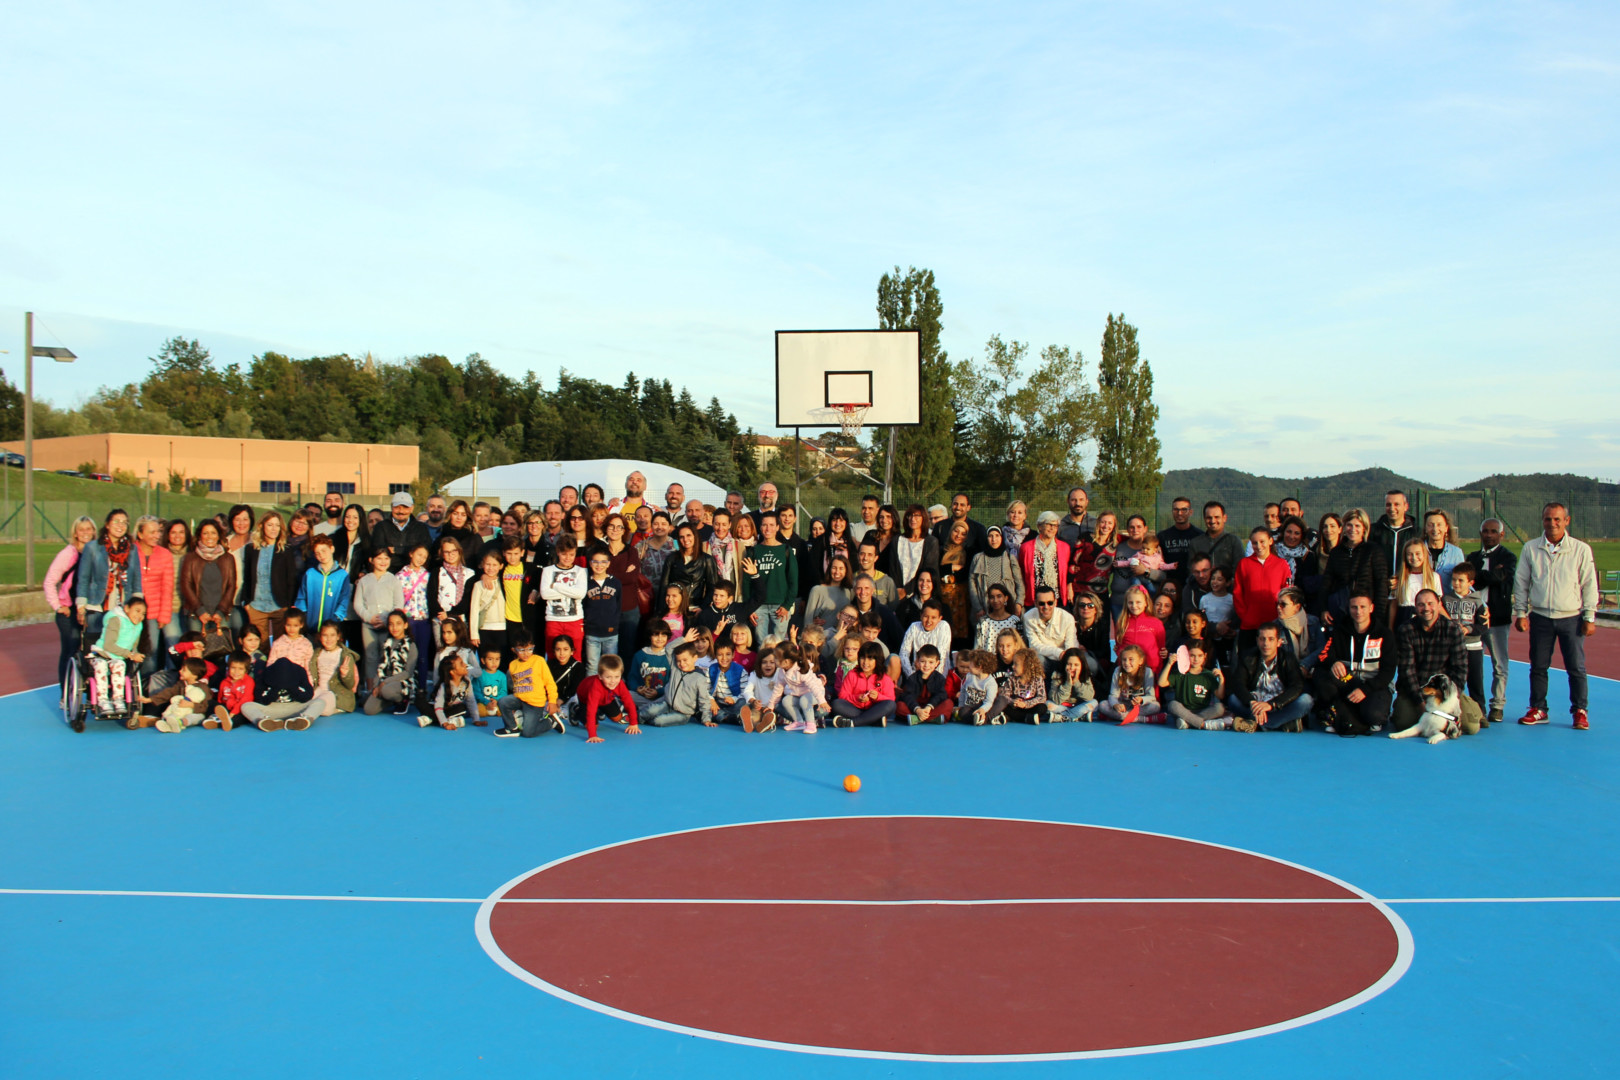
995 902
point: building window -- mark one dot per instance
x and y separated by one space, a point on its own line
338 487
395 489
213 485
275 487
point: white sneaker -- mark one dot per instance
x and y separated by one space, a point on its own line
1181 725
170 727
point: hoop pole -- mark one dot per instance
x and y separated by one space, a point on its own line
795 474
888 469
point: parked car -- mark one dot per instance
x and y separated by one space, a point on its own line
69 472
16 461
103 477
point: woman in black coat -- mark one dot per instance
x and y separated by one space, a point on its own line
691 568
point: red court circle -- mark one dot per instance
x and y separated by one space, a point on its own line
945 938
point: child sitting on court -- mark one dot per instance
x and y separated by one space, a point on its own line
1198 691
604 696
1071 696
566 670
533 706
686 695
185 703
452 642
726 680
813 643
867 694
799 693
923 698
396 668
1023 692
292 644
1131 698
452 693
760 692
235 690
335 674
979 687
649 668
702 641
488 687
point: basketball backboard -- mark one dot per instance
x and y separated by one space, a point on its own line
818 369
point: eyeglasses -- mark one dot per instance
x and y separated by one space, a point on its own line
1050 603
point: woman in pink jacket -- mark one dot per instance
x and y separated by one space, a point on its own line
59 581
1045 560
157 586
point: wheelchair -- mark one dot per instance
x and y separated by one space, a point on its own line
80 695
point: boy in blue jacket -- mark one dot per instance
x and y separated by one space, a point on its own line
324 593
726 681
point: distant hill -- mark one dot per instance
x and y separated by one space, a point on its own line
1594 504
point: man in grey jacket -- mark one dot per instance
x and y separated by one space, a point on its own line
1555 595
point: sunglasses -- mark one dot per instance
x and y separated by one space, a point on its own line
1048 603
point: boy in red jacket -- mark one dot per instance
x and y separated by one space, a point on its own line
604 694
235 690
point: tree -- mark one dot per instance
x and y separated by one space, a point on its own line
11 409
1128 461
1021 429
925 454
185 384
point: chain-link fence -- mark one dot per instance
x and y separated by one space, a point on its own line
1593 516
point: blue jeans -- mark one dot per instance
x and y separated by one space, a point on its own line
772 627
598 647
517 713
1079 711
1571 645
629 627
1276 719
801 707
659 714
1496 644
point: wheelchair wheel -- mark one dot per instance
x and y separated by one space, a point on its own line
73 698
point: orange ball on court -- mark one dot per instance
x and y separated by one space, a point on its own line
852 782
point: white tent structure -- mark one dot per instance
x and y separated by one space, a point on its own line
536 481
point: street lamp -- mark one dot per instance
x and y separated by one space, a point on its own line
30 350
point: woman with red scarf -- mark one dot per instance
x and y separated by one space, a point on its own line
104 569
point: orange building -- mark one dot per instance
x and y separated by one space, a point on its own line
252 468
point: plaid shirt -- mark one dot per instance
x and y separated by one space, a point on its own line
1426 653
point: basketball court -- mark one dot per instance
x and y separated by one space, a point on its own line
370 898
373 899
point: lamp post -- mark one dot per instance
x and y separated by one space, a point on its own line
64 356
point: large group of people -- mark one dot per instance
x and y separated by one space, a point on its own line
590 609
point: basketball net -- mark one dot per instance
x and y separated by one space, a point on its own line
850 418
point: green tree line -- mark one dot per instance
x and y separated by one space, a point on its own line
451 411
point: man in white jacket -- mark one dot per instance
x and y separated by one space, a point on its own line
1555 595
1048 628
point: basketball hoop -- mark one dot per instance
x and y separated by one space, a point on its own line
850 417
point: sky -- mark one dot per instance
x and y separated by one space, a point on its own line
1349 234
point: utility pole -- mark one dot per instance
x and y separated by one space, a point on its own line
28 450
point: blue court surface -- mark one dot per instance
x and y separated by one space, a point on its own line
345 869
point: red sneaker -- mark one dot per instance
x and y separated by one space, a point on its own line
1534 716
1580 720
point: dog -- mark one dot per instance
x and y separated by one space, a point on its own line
1442 713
